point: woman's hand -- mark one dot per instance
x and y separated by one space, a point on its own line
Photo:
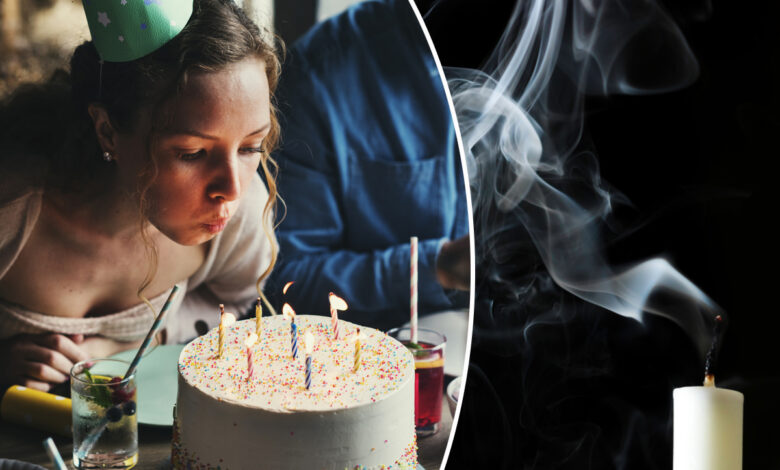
39 361
453 264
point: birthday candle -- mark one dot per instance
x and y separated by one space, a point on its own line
258 318
336 304
289 312
221 329
294 340
249 342
225 319
308 344
356 339
413 289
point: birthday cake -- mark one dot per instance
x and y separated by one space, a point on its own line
351 417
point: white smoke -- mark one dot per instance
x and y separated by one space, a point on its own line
521 119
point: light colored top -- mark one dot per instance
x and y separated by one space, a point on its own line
236 257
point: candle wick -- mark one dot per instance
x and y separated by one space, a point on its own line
709 361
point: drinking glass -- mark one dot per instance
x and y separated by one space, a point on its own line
105 427
428 376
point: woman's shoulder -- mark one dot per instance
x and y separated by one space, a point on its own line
18 201
15 187
19 210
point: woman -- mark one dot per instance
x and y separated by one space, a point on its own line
126 178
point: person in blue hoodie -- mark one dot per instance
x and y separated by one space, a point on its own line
369 159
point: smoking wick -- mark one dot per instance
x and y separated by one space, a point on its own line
709 362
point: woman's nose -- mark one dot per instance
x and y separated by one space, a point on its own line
225 183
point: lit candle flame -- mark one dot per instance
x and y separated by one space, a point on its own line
228 319
337 302
250 340
225 320
288 311
357 336
287 286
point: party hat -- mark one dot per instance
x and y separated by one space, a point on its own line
124 30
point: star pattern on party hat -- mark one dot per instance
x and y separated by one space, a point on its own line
103 18
125 30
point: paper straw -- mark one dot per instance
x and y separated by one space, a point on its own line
89 442
413 286
54 454
152 331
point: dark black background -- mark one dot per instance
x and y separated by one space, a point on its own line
594 391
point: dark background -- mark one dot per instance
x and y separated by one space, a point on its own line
590 389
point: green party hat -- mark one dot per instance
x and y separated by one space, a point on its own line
124 30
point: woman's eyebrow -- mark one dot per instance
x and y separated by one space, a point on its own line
262 129
172 132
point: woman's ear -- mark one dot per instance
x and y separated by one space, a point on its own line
106 134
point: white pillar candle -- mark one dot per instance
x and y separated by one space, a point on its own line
707 428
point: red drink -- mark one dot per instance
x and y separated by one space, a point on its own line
428 385
428 355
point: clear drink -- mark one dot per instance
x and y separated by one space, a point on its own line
428 355
105 427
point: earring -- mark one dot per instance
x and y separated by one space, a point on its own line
107 157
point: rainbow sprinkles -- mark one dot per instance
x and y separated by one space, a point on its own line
349 416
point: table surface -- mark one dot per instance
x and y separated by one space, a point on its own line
154 443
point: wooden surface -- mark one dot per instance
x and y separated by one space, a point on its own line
26 444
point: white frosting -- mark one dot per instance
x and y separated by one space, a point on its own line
346 419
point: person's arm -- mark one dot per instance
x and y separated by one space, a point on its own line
319 251
367 161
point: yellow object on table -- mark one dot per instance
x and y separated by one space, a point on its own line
36 409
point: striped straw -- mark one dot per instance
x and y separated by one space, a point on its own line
54 454
89 442
413 288
152 331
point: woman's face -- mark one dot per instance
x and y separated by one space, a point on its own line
207 156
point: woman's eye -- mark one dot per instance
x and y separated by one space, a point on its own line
192 156
252 150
